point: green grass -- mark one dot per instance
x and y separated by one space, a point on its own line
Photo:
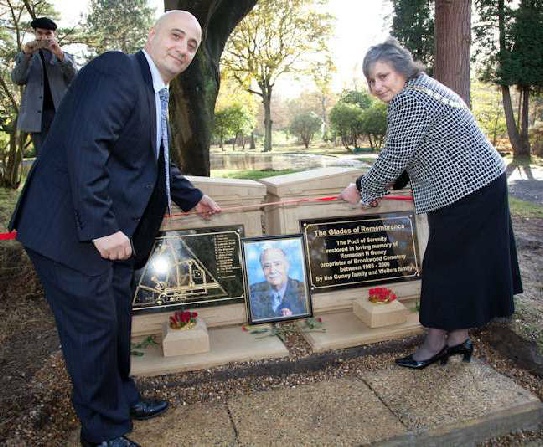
523 208
249 174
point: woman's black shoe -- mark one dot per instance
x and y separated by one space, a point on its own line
410 362
465 349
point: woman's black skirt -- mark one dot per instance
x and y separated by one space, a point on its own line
470 270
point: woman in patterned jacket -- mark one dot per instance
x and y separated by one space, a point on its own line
470 270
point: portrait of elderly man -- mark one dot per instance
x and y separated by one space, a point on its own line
279 296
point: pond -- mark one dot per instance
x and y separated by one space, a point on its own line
277 162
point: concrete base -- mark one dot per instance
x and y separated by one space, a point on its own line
345 329
379 315
227 345
185 341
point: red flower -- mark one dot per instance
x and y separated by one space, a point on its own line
381 295
180 319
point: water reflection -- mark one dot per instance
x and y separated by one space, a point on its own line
276 162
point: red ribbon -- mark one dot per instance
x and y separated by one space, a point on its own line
287 202
8 236
12 234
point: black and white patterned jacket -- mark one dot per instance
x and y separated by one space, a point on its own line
433 136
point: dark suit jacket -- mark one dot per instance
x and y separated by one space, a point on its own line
98 166
260 295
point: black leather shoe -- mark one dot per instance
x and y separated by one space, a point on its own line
410 362
464 349
117 442
147 409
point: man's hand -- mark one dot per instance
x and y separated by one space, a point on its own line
350 194
114 247
54 47
286 312
32 47
206 207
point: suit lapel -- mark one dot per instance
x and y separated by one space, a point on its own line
150 94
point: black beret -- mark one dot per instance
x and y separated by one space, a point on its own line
44 23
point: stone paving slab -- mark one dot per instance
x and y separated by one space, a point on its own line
335 413
456 405
190 425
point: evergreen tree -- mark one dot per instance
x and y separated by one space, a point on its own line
305 126
118 25
515 58
413 26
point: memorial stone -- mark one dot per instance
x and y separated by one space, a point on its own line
216 239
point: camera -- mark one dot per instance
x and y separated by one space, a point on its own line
44 43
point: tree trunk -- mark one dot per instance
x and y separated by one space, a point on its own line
12 174
324 132
194 92
512 130
524 122
452 45
266 100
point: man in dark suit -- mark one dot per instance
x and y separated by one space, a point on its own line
91 207
279 295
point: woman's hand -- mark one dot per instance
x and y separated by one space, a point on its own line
350 194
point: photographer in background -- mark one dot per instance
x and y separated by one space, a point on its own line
46 71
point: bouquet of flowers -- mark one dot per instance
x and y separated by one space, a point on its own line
183 320
381 295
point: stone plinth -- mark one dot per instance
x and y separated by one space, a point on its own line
185 341
380 314
326 183
228 193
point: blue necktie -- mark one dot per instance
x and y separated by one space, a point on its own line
276 301
164 99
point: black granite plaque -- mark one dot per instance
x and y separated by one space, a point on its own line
191 268
355 252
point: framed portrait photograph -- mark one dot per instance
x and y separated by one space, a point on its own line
276 278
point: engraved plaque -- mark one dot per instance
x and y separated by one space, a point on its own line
355 252
191 268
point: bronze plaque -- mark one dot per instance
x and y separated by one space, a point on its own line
355 252
191 268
